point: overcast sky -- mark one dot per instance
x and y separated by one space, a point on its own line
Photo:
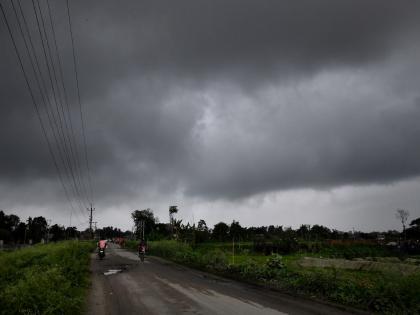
266 112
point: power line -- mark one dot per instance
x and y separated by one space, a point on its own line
51 70
40 90
60 119
66 136
73 142
35 72
78 97
36 106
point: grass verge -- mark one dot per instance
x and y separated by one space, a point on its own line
379 292
45 279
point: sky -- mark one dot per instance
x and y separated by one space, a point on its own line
265 112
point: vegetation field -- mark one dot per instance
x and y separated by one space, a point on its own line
376 291
45 279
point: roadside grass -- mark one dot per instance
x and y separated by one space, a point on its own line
45 279
375 291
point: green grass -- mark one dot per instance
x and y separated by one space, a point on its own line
45 279
378 292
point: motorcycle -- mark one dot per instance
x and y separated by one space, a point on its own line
142 252
101 253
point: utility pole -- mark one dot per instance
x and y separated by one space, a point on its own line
94 233
24 238
91 219
48 229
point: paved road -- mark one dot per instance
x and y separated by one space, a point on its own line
123 285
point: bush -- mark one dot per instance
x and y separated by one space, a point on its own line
170 249
215 260
282 246
45 279
275 262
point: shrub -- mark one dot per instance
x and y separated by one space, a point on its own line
215 260
275 261
170 249
45 279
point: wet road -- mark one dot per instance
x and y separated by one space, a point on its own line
121 284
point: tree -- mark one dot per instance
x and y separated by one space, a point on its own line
37 228
177 226
402 215
304 231
110 232
57 233
221 232
143 218
413 232
8 226
12 221
202 233
235 230
320 232
202 226
415 222
19 232
172 211
72 232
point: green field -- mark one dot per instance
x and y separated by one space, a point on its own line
377 291
45 279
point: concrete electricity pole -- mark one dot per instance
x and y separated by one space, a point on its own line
91 219
95 233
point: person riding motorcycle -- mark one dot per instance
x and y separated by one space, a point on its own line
142 249
102 244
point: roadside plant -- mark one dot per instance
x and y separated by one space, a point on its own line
216 260
275 261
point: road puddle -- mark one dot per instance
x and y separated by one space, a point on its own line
112 272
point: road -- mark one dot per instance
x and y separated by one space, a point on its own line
121 284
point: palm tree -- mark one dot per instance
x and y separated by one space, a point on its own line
172 211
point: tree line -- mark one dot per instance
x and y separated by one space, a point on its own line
33 230
148 226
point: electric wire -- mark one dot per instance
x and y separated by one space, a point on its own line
79 101
31 92
73 143
70 155
59 120
51 70
37 79
35 72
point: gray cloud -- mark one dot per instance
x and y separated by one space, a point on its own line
223 100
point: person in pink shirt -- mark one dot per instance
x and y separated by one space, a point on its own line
102 244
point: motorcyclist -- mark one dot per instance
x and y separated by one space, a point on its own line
102 244
142 249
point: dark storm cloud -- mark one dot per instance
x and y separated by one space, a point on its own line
245 41
318 139
178 95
